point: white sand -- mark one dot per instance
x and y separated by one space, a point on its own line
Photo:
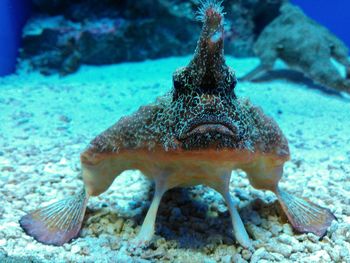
47 121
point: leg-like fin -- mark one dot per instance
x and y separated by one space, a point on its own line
57 223
305 216
256 72
146 233
239 230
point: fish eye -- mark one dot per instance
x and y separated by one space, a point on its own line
177 84
180 78
178 87
233 83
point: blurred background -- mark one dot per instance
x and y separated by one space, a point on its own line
13 15
334 15
61 35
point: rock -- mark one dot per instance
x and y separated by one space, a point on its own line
208 260
65 119
246 254
97 32
312 247
277 257
260 254
238 259
334 252
319 256
75 249
275 229
313 238
7 169
279 248
287 229
226 259
3 242
241 194
258 233
254 217
286 239
52 7
119 225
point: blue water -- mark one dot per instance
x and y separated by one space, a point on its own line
13 15
335 15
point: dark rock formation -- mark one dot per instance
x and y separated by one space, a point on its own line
64 34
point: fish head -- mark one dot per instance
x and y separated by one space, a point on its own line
204 111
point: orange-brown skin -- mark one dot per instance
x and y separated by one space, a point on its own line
150 155
187 168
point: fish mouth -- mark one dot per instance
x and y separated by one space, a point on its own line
213 125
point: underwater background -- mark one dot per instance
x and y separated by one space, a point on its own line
71 69
15 13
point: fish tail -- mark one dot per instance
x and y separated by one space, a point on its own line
57 223
304 215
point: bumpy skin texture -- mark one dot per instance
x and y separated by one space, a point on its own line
202 94
305 46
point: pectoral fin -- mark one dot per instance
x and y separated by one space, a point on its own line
57 223
305 216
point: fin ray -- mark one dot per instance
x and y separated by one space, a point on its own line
57 223
304 215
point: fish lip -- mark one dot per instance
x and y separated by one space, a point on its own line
222 125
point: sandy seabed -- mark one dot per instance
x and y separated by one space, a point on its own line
45 122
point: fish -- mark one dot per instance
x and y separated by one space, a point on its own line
305 46
197 133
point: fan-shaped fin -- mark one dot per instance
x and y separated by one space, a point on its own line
57 223
304 215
